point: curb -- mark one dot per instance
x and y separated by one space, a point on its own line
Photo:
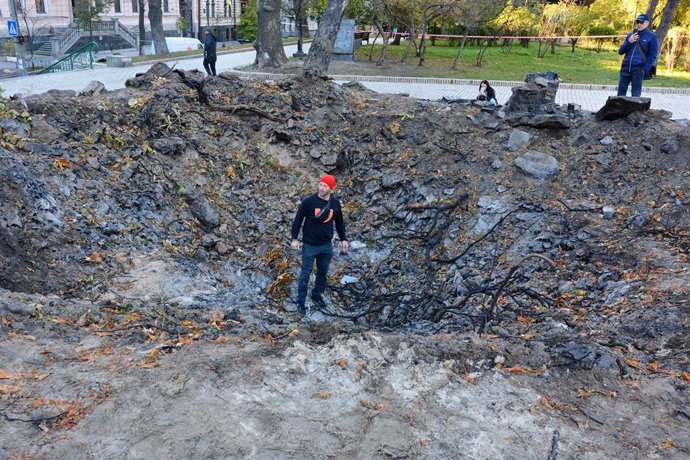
461 81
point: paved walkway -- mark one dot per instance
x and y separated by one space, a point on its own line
590 97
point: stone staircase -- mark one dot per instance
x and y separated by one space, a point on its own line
60 45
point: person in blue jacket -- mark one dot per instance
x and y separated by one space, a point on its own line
641 49
210 53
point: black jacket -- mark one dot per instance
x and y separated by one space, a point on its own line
317 229
210 47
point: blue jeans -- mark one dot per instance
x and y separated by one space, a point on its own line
322 254
626 78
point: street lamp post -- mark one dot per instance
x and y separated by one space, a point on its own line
298 5
18 47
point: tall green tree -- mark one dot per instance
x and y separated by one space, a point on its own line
249 21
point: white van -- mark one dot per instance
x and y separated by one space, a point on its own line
180 44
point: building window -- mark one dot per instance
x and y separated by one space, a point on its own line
40 7
118 6
166 6
135 6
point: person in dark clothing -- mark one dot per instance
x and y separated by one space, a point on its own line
487 93
319 213
210 53
641 49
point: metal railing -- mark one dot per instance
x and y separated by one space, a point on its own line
67 39
80 59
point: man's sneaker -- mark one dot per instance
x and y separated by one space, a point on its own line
301 309
318 301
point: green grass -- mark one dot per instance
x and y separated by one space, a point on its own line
582 66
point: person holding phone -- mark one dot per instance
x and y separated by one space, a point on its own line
641 49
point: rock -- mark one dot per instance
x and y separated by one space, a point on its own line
573 108
556 120
315 154
637 220
608 140
577 354
608 212
391 180
517 140
169 146
538 90
43 132
496 164
95 87
202 210
621 106
14 126
221 248
670 147
537 164
604 158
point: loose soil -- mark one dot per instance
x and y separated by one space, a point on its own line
147 284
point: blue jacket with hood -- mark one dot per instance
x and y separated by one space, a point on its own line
633 60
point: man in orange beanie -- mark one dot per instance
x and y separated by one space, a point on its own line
319 212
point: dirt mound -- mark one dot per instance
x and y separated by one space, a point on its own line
145 250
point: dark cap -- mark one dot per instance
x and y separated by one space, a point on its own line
642 18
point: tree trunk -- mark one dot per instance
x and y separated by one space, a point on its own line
142 27
382 56
322 48
412 38
269 39
667 17
462 46
156 22
651 8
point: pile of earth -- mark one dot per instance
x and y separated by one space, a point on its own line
514 284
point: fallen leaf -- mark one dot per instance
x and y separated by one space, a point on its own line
668 443
95 258
522 369
4 375
7 389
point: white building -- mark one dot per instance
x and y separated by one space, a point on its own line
53 17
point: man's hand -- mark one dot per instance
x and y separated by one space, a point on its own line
294 245
633 38
346 246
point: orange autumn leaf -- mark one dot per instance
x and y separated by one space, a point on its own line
525 319
654 366
342 363
8 389
95 258
61 163
522 369
686 376
4 375
323 395
222 339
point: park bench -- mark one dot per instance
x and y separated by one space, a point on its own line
362 36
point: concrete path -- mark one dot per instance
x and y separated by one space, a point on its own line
590 97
